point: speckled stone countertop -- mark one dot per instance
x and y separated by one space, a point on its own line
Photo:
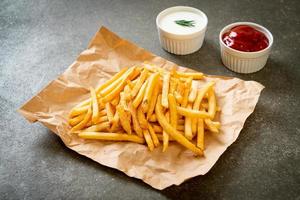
40 39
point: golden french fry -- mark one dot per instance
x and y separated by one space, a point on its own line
98 127
153 101
212 104
115 91
136 126
102 113
78 111
188 126
130 84
115 123
139 97
200 134
153 135
152 118
192 113
115 101
173 110
193 92
76 120
161 138
123 102
148 139
173 85
110 87
172 131
166 135
82 124
109 111
125 119
113 79
95 108
141 118
157 128
193 75
111 137
211 126
165 90
152 82
127 91
178 97
187 88
139 83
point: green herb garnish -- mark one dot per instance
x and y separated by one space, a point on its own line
185 23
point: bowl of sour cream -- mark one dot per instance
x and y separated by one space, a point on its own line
181 29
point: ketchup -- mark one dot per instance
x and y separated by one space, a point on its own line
245 38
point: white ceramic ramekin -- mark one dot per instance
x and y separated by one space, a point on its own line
245 62
181 44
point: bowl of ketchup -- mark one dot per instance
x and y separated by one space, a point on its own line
245 46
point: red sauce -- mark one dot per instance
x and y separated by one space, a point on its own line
245 38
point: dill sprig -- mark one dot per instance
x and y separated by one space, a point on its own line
185 23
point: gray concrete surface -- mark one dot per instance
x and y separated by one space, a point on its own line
40 39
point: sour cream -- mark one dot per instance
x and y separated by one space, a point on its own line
168 22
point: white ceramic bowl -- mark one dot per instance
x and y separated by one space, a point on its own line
181 43
245 62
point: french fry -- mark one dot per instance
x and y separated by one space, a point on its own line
193 92
130 84
172 131
82 124
188 126
95 108
161 138
193 75
139 97
123 102
152 118
125 119
180 122
141 118
153 136
111 137
148 139
152 82
166 135
165 90
153 101
109 111
136 126
115 101
113 79
157 128
98 127
110 87
200 134
173 85
115 91
211 126
192 113
139 83
127 91
76 120
212 104
115 123
187 88
173 110
78 111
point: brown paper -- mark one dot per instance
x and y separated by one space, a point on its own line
106 55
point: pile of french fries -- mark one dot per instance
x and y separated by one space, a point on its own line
147 104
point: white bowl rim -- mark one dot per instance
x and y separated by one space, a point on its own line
182 8
254 25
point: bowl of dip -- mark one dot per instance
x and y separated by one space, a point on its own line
245 46
181 29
